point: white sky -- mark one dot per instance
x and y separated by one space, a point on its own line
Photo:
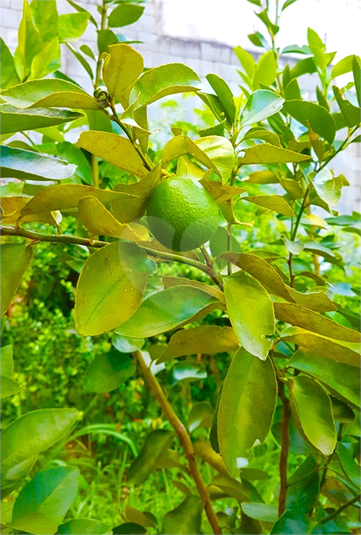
338 22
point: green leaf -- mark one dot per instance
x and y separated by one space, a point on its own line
72 26
186 370
8 387
266 70
155 445
220 192
206 339
342 67
356 68
340 378
317 425
82 10
318 301
43 502
186 519
223 92
68 196
121 69
15 120
114 149
313 115
304 486
262 271
200 415
28 436
348 461
165 310
260 105
8 74
221 153
105 39
125 14
29 165
351 113
129 528
125 269
266 154
317 48
312 321
83 62
45 17
6 361
292 522
15 259
260 511
85 526
247 61
49 92
287 4
47 61
162 81
272 202
270 137
29 44
292 91
272 28
107 372
250 312
258 39
246 408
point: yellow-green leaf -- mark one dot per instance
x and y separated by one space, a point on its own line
220 192
266 153
312 321
18 120
110 287
207 339
155 445
109 371
122 67
114 149
15 259
316 425
246 408
186 519
221 153
272 202
250 311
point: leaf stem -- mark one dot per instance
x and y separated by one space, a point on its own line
36 237
340 509
103 26
184 438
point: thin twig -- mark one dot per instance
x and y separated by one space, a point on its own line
184 438
340 509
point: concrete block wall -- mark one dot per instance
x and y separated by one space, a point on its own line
157 48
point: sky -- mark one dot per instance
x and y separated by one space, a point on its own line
338 22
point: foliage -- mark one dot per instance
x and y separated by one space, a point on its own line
230 359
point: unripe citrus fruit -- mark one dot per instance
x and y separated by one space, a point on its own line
182 215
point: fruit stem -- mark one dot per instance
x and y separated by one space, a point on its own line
184 438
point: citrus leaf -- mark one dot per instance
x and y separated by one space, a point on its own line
129 528
162 81
72 26
260 511
165 310
6 361
15 259
8 74
214 291
125 14
28 436
102 303
43 502
246 408
84 526
68 196
340 378
292 522
250 311
99 221
204 450
200 415
312 321
186 519
272 202
316 425
324 347
221 153
262 271
317 301
260 105
155 445
187 371
223 92
107 372
266 70
328 187
122 67
29 165
18 120
313 115
114 149
8 387
351 113
270 137
266 153
29 44
47 60
207 339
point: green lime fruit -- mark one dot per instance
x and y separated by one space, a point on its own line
182 215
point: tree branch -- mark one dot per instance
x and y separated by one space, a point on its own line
340 509
285 447
184 438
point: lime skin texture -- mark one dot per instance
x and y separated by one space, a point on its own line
181 214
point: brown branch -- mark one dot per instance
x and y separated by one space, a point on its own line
285 447
183 437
